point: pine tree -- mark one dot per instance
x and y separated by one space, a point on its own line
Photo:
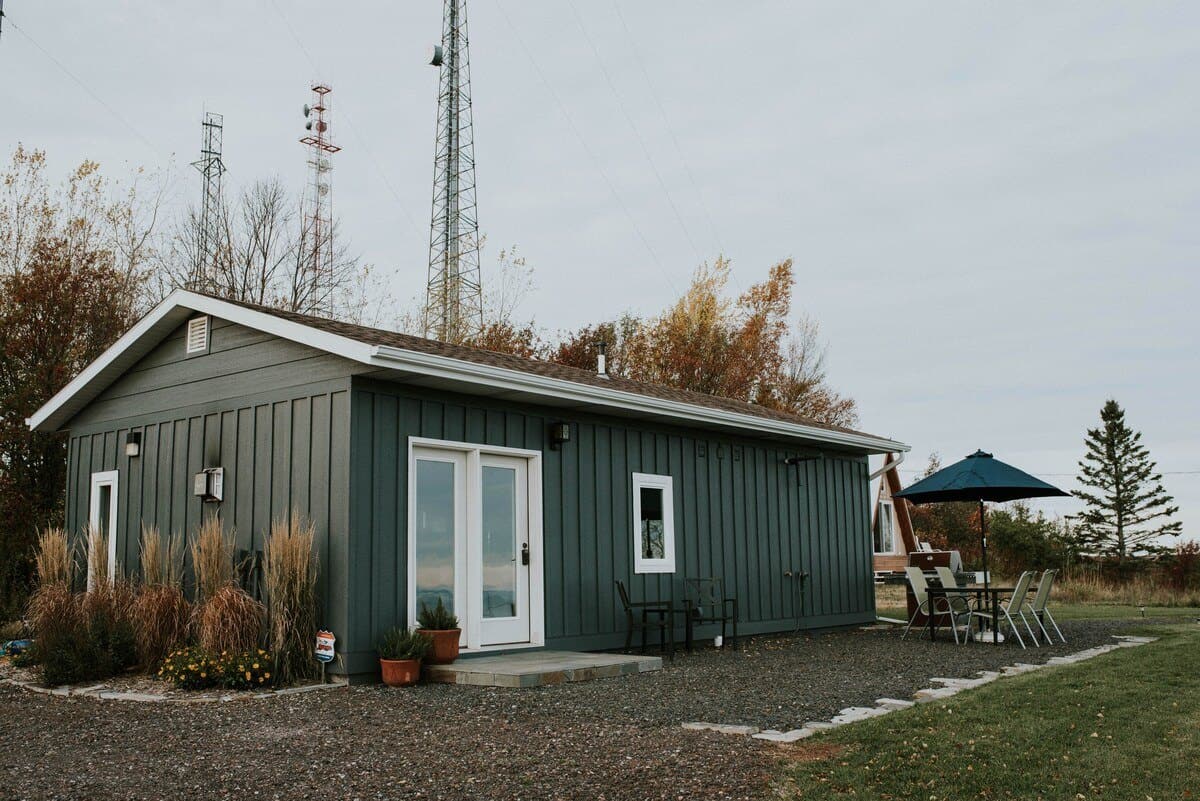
1127 507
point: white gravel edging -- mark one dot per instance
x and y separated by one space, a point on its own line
102 692
948 688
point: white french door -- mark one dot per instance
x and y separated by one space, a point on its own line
475 540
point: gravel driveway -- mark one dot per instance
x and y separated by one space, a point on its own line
608 739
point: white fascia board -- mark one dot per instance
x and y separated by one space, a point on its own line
179 304
688 413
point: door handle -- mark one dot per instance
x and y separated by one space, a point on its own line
525 553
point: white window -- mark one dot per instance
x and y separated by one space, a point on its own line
197 335
102 515
653 524
885 531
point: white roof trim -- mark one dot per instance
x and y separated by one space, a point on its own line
181 304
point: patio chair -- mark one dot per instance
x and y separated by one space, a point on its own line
958 604
1008 608
663 620
1040 609
920 588
704 601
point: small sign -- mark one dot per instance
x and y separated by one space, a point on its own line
325 642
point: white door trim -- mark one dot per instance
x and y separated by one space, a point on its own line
110 479
474 613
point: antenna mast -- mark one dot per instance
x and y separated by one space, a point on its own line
318 223
212 168
454 302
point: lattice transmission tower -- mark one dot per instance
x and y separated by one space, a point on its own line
454 301
208 231
318 221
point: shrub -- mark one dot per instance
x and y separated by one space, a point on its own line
53 557
197 669
107 614
437 619
190 669
160 622
1183 568
291 582
212 559
245 671
228 620
61 645
400 643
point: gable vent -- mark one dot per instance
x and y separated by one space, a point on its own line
197 335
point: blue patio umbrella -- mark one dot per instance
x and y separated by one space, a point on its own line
978 478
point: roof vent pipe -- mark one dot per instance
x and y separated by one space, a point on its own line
602 359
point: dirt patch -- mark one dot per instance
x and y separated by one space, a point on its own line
814 752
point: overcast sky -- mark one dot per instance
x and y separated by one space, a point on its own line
994 209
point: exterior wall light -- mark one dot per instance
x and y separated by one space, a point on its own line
133 444
559 433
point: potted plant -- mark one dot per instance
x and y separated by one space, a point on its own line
441 625
400 655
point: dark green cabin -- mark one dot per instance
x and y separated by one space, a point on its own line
517 491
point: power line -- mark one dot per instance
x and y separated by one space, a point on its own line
80 83
362 141
636 132
583 143
1072 475
637 57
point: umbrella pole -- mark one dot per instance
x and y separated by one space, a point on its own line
986 576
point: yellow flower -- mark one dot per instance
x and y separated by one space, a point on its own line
256 666
266 675
203 675
247 675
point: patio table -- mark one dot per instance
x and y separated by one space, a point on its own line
978 592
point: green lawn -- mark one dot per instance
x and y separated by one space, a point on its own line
1124 726
1089 612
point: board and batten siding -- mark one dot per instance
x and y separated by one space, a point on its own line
274 415
740 513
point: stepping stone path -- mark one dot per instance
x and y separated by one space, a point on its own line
948 688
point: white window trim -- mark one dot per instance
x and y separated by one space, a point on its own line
105 478
666 484
537 605
886 508
196 322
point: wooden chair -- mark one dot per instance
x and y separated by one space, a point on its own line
704 601
663 620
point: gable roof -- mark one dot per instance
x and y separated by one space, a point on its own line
430 362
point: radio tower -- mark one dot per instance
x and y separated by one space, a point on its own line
454 303
208 237
318 223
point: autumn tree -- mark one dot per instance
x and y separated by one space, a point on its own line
741 348
1127 507
75 262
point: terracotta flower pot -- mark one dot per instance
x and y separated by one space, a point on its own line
400 672
445 645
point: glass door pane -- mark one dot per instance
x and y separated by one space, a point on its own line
500 548
435 526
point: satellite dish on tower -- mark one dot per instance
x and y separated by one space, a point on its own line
307 110
435 56
308 125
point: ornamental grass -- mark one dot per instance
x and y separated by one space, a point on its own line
53 558
291 582
228 620
161 558
161 615
212 559
97 557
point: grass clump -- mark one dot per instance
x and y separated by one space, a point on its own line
291 583
161 615
212 559
228 620
161 558
53 558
